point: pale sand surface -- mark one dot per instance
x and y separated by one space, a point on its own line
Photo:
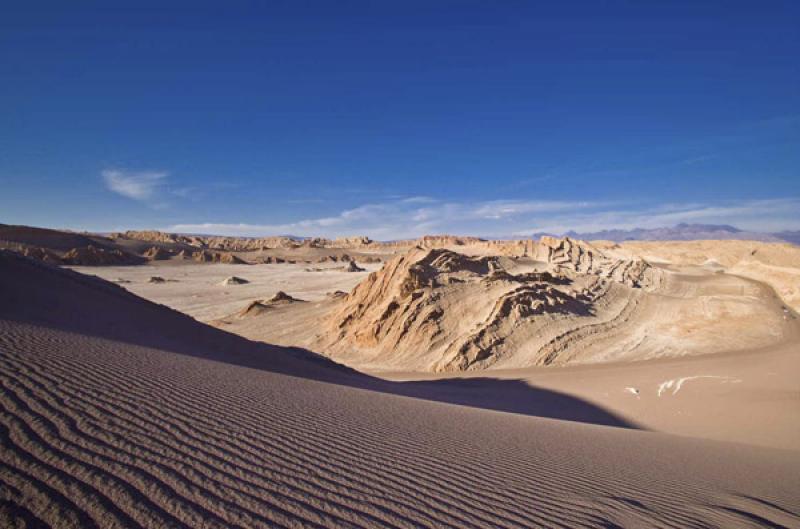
195 288
104 424
748 397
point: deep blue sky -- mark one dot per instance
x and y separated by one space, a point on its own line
396 118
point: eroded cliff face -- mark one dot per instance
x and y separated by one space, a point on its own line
437 309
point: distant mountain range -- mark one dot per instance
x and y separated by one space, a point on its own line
683 232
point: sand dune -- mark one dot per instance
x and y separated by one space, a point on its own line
140 416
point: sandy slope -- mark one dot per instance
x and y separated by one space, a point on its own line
746 397
775 264
139 416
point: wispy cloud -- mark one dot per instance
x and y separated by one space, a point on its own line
756 215
137 185
418 216
408 217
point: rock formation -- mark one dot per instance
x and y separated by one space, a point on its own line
352 267
255 308
457 312
156 253
94 256
282 298
41 254
205 256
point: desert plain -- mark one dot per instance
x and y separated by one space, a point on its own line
161 380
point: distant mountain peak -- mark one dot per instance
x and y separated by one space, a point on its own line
681 232
684 226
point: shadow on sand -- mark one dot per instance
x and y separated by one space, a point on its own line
42 295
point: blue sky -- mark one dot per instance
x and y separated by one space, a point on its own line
394 119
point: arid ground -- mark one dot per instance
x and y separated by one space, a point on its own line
441 382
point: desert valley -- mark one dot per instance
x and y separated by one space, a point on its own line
405 265
155 380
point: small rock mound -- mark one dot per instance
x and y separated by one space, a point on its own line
156 279
281 297
234 280
353 267
229 258
254 308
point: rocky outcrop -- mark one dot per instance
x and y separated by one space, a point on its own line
227 244
584 258
228 258
282 298
512 309
270 259
205 256
155 236
463 312
352 267
442 241
41 254
94 256
255 308
351 242
422 300
156 253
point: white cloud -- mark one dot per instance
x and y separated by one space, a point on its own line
399 219
142 185
412 218
502 209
